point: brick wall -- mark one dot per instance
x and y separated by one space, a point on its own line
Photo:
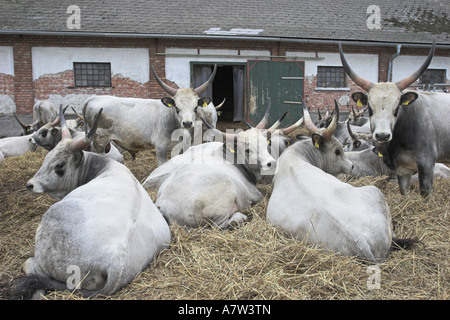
25 91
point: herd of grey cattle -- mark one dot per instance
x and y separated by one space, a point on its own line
107 227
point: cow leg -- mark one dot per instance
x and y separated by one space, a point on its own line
161 154
426 175
234 220
404 183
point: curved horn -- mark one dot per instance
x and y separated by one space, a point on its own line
290 129
406 82
200 89
263 123
77 114
83 142
220 105
226 136
167 88
309 125
357 135
277 123
23 125
65 133
360 81
319 115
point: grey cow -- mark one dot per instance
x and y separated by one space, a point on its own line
97 234
137 124
414 123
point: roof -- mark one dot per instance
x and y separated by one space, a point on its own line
413 21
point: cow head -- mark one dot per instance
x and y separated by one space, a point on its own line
62 169
185 101
329 153
358 141
249 147
383 99
49 135
28 128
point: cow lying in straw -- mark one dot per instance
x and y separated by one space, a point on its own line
98 237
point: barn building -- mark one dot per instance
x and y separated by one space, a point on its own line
66 51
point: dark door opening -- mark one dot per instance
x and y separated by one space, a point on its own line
228 84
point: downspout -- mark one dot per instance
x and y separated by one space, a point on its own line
389 76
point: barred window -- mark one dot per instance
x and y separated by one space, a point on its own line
432 76
92 74
331 77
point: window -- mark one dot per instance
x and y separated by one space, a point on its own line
432 76
331 77
92 74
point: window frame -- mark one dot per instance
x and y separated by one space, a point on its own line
443 71
91 72
320 82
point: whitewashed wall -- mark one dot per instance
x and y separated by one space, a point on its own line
178 65
365 65
132 63
7 105
404 66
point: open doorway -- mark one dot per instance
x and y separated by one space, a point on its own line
228 83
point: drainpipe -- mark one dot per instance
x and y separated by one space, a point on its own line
389 77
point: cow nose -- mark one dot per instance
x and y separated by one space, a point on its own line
382 136
187 124
30 186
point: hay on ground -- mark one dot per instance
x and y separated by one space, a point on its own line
255 260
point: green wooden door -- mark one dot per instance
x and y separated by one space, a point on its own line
282 82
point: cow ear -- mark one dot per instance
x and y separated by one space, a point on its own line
317 140
77 157
360 98
377 151
203 102
168 102
408 98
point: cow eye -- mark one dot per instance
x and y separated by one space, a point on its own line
247 151
396 111
370 110
59 169
338 152
44 133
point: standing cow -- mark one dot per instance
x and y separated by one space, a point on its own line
105 235
137 124
414 123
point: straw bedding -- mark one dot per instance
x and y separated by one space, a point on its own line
255 260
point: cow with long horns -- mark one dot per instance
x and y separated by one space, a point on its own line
97 238
311 205
137 124
213 182
414 123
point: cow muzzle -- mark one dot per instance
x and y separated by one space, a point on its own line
187 124
382 136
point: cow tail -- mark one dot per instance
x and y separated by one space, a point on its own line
405 244
25 287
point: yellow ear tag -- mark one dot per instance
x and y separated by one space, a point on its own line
359 103
268 141
169 105
205 104
405 103
316 144
380 155
232 150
